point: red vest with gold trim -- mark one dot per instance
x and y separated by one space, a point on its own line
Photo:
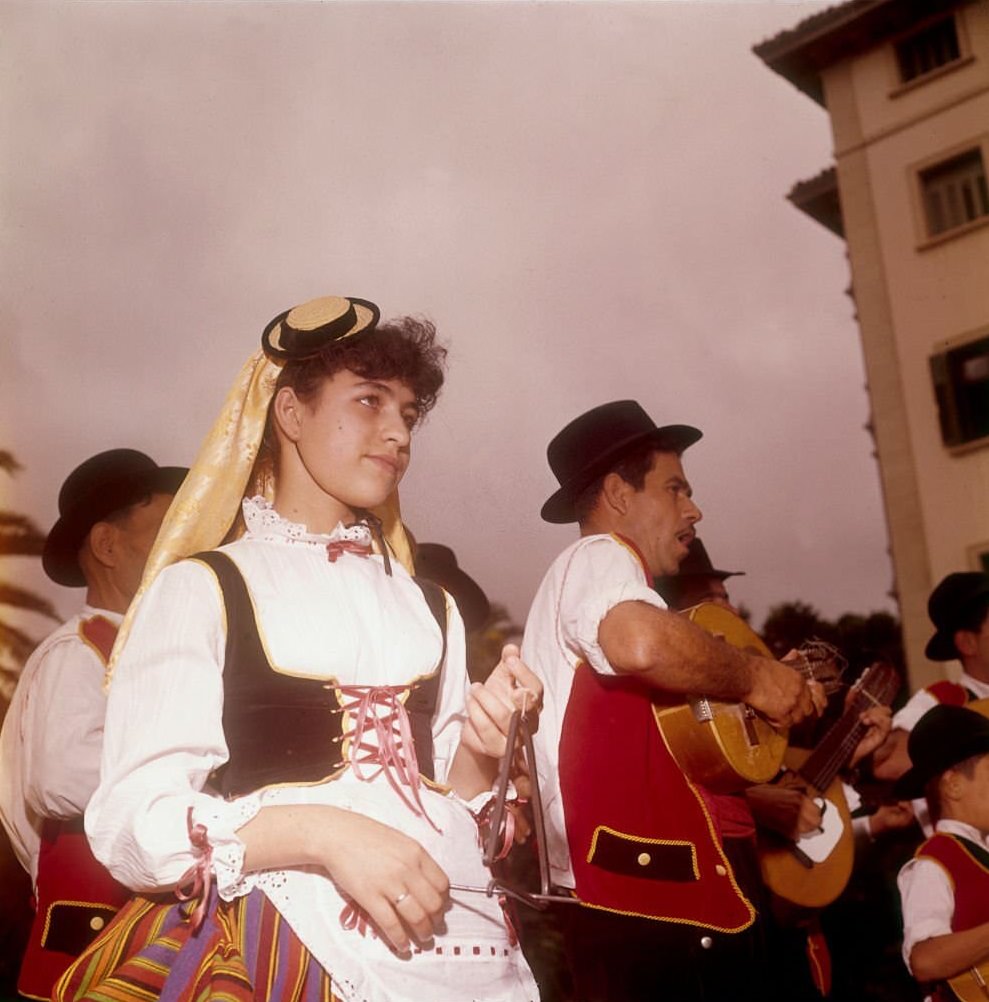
968 867
641 839
75 896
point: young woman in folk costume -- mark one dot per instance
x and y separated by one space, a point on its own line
259 757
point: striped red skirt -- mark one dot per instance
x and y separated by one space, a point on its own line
244 951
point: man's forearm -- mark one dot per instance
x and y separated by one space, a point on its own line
669 652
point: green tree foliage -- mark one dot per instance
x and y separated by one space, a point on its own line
861 639
19 537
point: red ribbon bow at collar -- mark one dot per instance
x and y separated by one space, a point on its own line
337 546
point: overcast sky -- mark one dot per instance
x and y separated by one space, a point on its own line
587 198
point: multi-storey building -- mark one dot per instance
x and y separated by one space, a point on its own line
906 86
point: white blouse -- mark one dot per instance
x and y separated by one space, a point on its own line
51 736
344 621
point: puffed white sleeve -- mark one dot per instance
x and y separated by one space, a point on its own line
163 738
928 902
915 707
448 720
603 572
63 729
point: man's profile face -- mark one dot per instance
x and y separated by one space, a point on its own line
973 648
660 518
136 533
700 590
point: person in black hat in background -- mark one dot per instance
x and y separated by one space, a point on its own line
626 830
697 581
110 508
945 887
959 609
438 563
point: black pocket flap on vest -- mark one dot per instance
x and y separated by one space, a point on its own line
73 925
633 856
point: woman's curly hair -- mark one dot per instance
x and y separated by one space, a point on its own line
405 349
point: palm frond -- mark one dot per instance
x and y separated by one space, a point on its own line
19 536
15 643
21 598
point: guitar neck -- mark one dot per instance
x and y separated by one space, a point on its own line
877 686
827 760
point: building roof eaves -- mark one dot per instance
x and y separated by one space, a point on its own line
800 53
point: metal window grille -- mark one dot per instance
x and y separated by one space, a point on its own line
961 386
934 46
955 192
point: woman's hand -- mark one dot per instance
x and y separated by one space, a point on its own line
511 686
388 875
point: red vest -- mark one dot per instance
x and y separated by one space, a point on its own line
952 693
75 896
641 839
969 875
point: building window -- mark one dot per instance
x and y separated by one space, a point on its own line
961 386
955 192
927 49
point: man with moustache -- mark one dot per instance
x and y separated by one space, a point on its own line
110 508
634 839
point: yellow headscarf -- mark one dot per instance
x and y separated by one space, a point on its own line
202 512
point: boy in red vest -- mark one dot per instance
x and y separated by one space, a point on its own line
945 887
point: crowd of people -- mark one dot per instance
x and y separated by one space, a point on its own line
254 765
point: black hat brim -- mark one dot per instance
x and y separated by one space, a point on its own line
60 558
941 647
559 507
913 782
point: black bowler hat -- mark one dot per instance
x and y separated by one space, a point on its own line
949 606
944 736
593 443
439 563
303 331
101 485
696 564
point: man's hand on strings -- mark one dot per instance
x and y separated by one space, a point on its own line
878 720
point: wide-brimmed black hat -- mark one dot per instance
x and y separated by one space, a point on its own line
944 736
949 606
594 442
439 563
303 331
101 485
696 564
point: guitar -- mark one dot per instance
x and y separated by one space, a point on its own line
972 985
727 746
814 870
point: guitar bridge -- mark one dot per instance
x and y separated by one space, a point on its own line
701 707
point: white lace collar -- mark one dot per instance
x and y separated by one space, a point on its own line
264 523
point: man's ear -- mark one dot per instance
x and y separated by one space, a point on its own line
287 410
102 543
951 785
966 643
615 491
